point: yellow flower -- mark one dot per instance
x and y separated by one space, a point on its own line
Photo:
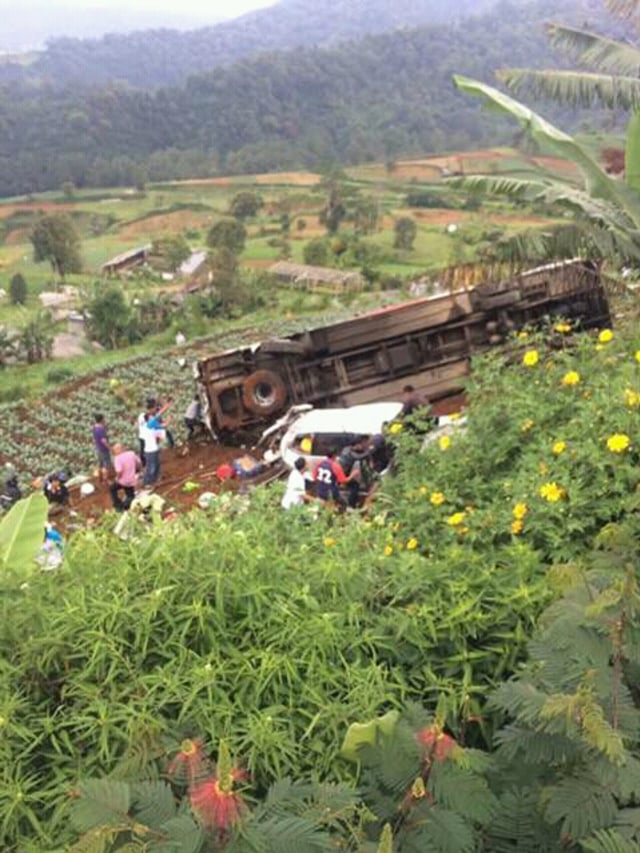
456 519
519 511
552 492
531 358
559 447
388 550
517 527
395 428
618 443
444 442
637 356
631 398
424 491
605 336
523 335
571 378
437 498
599 347
527 425
563 328
412 544
329 542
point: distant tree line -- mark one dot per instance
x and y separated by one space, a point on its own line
376 99
140 58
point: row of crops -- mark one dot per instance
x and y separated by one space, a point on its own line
55 432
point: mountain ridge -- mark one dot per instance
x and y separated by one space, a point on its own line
381 97
165 57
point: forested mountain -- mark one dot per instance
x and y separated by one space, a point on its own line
378 98
166 57
29 25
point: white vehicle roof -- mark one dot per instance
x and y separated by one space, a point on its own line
362 420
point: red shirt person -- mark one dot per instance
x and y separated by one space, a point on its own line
329 476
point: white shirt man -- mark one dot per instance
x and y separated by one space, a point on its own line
296 493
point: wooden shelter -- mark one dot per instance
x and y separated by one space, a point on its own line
316 279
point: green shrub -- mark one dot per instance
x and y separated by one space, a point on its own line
58 374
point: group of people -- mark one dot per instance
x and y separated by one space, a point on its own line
122 467
338 479
341 477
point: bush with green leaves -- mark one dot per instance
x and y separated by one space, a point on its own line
18 290
563 773
274 631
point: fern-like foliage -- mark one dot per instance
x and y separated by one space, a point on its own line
571 740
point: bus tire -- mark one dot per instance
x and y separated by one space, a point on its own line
264 393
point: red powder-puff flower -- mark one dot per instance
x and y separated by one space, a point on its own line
215 808
191 765
438 745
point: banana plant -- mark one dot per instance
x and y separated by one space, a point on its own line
606 211
22 532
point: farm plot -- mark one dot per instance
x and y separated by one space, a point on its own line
56 431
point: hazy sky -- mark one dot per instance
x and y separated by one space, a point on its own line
197 8
28 24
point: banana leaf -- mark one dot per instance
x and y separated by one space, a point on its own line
597 183
632 153
22 532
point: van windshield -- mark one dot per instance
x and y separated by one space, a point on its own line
324 442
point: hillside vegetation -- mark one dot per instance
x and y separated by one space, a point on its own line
372 99
140 58
276 631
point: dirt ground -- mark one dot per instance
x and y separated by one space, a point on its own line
300 179
173 222
196 463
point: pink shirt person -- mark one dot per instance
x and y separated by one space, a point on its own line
126 465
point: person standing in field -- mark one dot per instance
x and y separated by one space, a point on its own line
103 450
296 492
193 417
141 423
152 435
159 423
126 466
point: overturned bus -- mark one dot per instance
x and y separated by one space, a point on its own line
426 342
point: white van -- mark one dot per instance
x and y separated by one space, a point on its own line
314 433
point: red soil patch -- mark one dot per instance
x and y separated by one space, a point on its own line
178 220
198 466
299 179
202 182
259 263
17 237
313 228
7 210
440 217
557 164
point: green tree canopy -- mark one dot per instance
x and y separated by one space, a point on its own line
18 291
111 322
55 239
245 204
36 338
316 252
404 231
227 234
173 249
